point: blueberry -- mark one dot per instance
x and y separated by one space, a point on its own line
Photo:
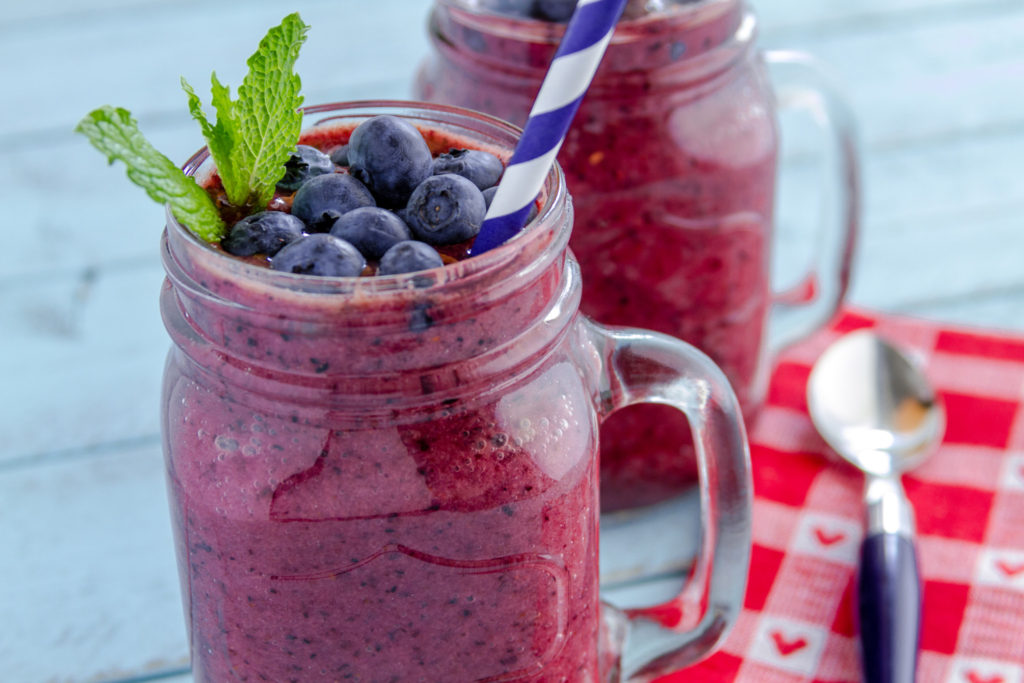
391 157
489 195
339 155
555 10
323 199
408 257
319 255
403 214
262 233
513 7
483 168
371 230
304 163
445 209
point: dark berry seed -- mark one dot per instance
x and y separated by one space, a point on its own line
319 255
323 199
371 230
420 319
482 168
262 233
390 156
304 163
446 209
408 257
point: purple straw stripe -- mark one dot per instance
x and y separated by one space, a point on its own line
594 21
542 132
561 92
501 229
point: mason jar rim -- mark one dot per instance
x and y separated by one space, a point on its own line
466 272
537 30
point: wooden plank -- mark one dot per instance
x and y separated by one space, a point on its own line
940 221
176 678
176 674
179 678
923 81
912 187
785 18
647 593
659 541
998 310
20 14
79 214
957 255
136 60
91 590
82 362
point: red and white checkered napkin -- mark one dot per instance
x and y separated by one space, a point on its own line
798 620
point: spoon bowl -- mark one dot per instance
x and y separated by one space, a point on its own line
873 406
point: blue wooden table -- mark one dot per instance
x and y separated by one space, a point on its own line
88 588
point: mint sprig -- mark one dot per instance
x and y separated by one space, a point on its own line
253 136
250 140
115 133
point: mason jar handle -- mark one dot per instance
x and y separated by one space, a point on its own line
801 82
637 366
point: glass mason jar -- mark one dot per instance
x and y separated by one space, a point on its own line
395 478
671 163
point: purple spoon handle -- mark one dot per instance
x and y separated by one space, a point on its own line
889 590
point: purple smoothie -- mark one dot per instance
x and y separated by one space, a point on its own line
384 479
671 165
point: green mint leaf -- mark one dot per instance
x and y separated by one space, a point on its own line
266 117
116 134
219 139
225 125
254 135
267 112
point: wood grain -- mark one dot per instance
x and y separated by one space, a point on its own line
91 592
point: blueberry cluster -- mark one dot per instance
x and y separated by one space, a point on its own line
395 204
544 10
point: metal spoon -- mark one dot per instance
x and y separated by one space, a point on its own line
880 414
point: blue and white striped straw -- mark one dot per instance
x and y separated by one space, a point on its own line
582 47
